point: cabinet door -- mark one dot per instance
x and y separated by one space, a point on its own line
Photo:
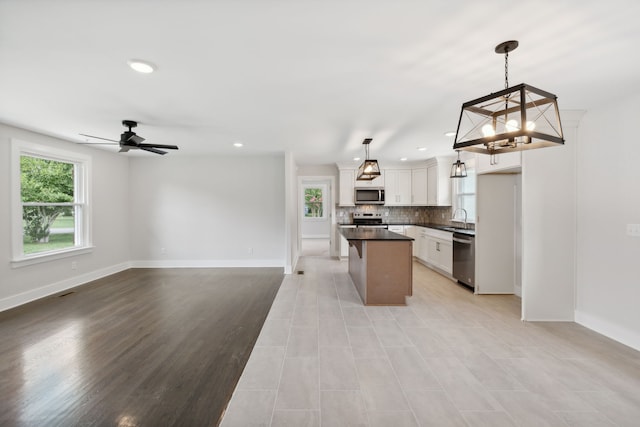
397 183
486 163
423 247
391 187
347 179
446 256
344 246
419 187
404 187
432 185
411 231
433 256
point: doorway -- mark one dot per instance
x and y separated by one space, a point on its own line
316 216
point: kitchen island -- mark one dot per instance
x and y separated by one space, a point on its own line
380 265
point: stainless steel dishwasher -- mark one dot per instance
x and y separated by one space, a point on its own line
464 259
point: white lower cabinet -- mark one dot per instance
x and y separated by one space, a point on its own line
436 248
397 229
412 231
344 243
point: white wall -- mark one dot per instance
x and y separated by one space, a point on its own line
292 224
207 211
549 228
110 201
609 199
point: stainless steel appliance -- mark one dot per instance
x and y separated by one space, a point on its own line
369 196
368 220
464 259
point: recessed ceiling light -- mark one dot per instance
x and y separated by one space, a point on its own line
141 66
450 134
403 159
355 159
238 144
422 148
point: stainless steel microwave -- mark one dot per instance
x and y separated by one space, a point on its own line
369 196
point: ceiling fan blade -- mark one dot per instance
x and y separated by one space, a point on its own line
97 143
135 138
153 150
168 147
98 137
123 149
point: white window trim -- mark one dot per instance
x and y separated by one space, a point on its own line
471 168
324 216
83 185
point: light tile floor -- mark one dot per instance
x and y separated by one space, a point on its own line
449 358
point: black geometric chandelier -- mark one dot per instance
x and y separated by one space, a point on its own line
493 123
369 169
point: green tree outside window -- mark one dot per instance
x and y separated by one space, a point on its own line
313 203
47 193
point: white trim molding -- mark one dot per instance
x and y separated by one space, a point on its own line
611 330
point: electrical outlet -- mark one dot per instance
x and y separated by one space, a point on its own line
633 230
74 265
163 251
250 251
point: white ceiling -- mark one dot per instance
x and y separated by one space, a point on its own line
311 77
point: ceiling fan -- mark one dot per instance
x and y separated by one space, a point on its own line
129 140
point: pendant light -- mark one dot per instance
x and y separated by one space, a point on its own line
516 118
369 169
458 169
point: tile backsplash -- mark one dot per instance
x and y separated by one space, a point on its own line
400 214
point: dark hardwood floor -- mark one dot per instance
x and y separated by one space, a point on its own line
145 347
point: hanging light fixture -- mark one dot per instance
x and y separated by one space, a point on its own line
369 169
458 169
516 118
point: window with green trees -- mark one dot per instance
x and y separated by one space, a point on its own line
47 193
314 202
51 201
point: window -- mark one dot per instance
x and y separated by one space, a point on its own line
464 193
50 210
314 201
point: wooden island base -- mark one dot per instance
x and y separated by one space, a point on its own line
381 268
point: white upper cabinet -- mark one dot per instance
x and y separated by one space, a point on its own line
486 163
419 186
397 185
347 180
439 182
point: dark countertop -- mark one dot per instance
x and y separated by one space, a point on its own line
468 232
371 234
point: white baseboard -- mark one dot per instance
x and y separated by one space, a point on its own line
315 236
205 263
53 288
616 332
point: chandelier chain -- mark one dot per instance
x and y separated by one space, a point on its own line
506 69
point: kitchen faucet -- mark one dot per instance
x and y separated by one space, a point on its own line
453 217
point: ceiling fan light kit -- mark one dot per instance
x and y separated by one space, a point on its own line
369 169
493 124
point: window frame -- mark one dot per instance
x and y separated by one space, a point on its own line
323 188
456 196
81 203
